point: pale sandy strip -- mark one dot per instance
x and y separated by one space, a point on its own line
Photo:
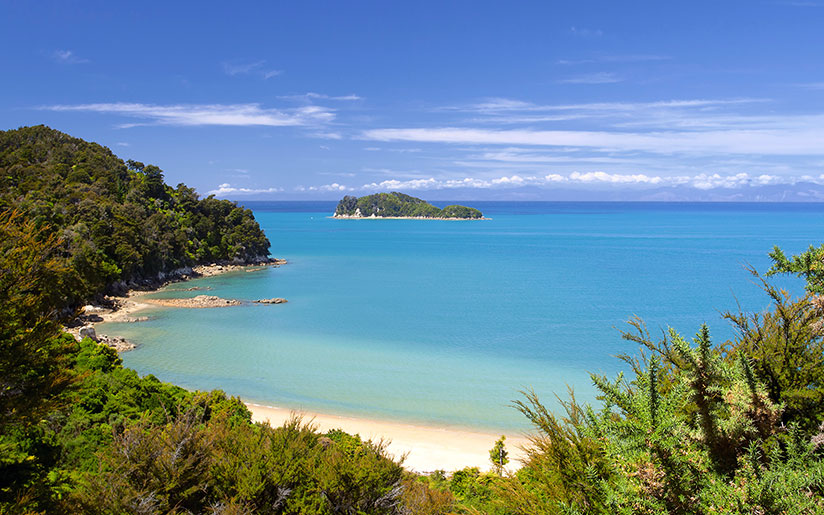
426 448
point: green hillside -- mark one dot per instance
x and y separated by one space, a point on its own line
117 221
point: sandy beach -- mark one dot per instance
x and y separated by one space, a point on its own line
426 448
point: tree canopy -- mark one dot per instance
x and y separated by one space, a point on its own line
397 204
116 221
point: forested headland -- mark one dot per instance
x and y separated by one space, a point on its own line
115 222
693 426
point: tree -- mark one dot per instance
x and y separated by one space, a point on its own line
33 357
499 456
808 265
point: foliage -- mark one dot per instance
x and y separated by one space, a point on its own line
808 265
193 465
115 221
786 349
693 427
693 431
400 205
33 363
499 456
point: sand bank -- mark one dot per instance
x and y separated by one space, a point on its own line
427 448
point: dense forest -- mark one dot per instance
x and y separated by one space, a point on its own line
694 426
399 205
117 222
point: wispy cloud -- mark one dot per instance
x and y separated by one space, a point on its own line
811 85
626 58
207 114
507 105
249 68
68 57
327 135
586 33
227 189
593 78
799 3
308 97
787 141
326 187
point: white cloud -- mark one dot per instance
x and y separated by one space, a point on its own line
812 85
333 187
614 178
308 97
249 68
241 68
701 181
593 78
208 114
68 57
327 135
586 33
799 140
227 189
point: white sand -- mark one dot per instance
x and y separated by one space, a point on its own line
427 448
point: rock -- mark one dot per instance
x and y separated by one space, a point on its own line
88 332
90 309
116 343
200 301
275 300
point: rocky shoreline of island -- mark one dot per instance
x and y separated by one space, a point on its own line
396 205
376 217
123 308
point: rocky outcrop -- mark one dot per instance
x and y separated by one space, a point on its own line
275 300
200 301
116 343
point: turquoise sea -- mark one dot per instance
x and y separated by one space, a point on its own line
443 322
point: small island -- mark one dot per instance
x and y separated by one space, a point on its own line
399 205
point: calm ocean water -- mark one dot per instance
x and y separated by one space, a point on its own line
445 321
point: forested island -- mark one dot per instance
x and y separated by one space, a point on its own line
399 205
694 426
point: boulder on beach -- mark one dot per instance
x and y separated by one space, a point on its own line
275 300
88 332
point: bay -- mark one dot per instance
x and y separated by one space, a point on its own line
444 322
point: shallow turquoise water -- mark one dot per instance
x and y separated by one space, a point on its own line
445 321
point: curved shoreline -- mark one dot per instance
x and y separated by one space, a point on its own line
427 447
120 308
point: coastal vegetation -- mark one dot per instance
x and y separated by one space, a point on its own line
116 222
693 426
399 205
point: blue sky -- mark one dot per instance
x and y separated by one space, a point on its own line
294 100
